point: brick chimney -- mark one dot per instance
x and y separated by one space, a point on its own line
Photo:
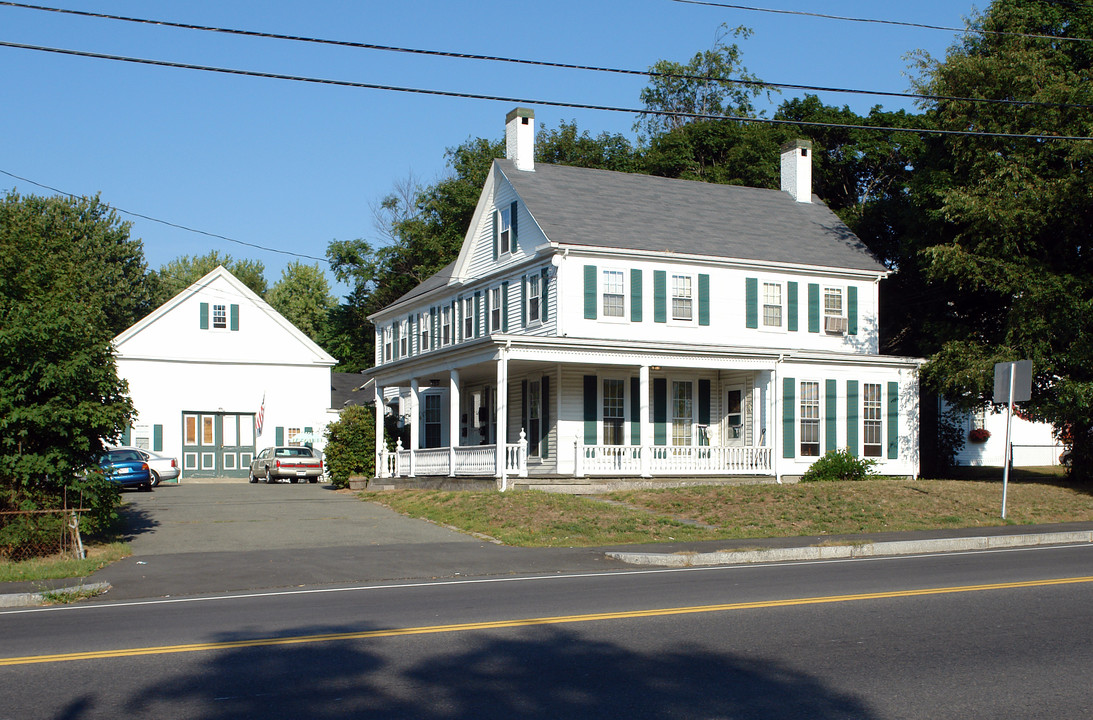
520 138
797 169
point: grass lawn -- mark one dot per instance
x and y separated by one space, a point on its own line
537 519
49 568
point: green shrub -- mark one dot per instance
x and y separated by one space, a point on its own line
839 465
350 445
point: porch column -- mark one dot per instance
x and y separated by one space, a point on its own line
502 395
381 456
643 420
453 421
415 425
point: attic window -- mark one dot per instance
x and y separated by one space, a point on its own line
220 316
505 237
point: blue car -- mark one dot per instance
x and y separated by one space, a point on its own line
128 468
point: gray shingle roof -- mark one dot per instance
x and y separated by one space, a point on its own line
603 208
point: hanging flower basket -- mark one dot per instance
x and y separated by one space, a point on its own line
979 435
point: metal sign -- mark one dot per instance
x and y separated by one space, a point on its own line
1022 381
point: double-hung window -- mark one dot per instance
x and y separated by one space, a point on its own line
404 339
871 420
388 348
772 305
220 316
810 418
833 302
534 296
504 235
682 412
423 332
614 407
614 289
682 298
495 309
468 318
446 326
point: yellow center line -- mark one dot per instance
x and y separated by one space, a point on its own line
526 622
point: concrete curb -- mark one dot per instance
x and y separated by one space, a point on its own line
32 599
858 550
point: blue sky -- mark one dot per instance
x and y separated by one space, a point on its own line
292 166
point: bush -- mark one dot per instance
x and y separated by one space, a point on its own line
350 445
38 534
839 465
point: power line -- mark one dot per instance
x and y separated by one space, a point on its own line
168 223
523 61
529 101
966 31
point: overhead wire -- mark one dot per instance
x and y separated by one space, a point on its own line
532 101
925 26
525 61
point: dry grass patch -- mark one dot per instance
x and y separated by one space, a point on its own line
64 566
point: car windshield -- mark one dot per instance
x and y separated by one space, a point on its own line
293 452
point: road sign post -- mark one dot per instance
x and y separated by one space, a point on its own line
1012 383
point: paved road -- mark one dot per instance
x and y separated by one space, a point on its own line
983 635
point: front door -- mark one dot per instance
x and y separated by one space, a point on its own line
217 444
734 416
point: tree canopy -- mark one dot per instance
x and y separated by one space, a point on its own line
185 270
302 296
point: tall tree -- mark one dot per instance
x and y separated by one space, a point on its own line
70 279
713 82
303 296
183 271
1013 217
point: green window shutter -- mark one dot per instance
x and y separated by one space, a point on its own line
635 410
852 310
590 300
590 410
660 296
635 295
813 308
235 317
791 306
751 302
513 215
893 420
789 442
477 313
279 435
703 299
127 436
504 306
704 402
307 430
204 316
523 301
660 411
394 345
544 294
496 233
832 411
544 418
157 438
852 417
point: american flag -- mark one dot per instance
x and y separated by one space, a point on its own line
260 420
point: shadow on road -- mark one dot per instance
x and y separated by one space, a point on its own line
135 521
536 673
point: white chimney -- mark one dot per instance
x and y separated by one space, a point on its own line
797 169
520 138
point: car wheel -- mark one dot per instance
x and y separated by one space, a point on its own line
250 476
155 478
269 478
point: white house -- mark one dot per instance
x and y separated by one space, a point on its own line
607 324
1034 443
216 374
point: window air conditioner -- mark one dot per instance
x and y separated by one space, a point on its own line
835 325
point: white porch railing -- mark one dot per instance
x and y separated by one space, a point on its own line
466 460
672 460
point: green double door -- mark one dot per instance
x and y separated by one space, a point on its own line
217 444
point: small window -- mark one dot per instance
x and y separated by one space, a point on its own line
423 332
810 419
772 305
534 298
495 309
404 338
468 318
682 299
504 237
446 326
614 408
614 289
220 316
388 345
871 420
833 302
291 434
